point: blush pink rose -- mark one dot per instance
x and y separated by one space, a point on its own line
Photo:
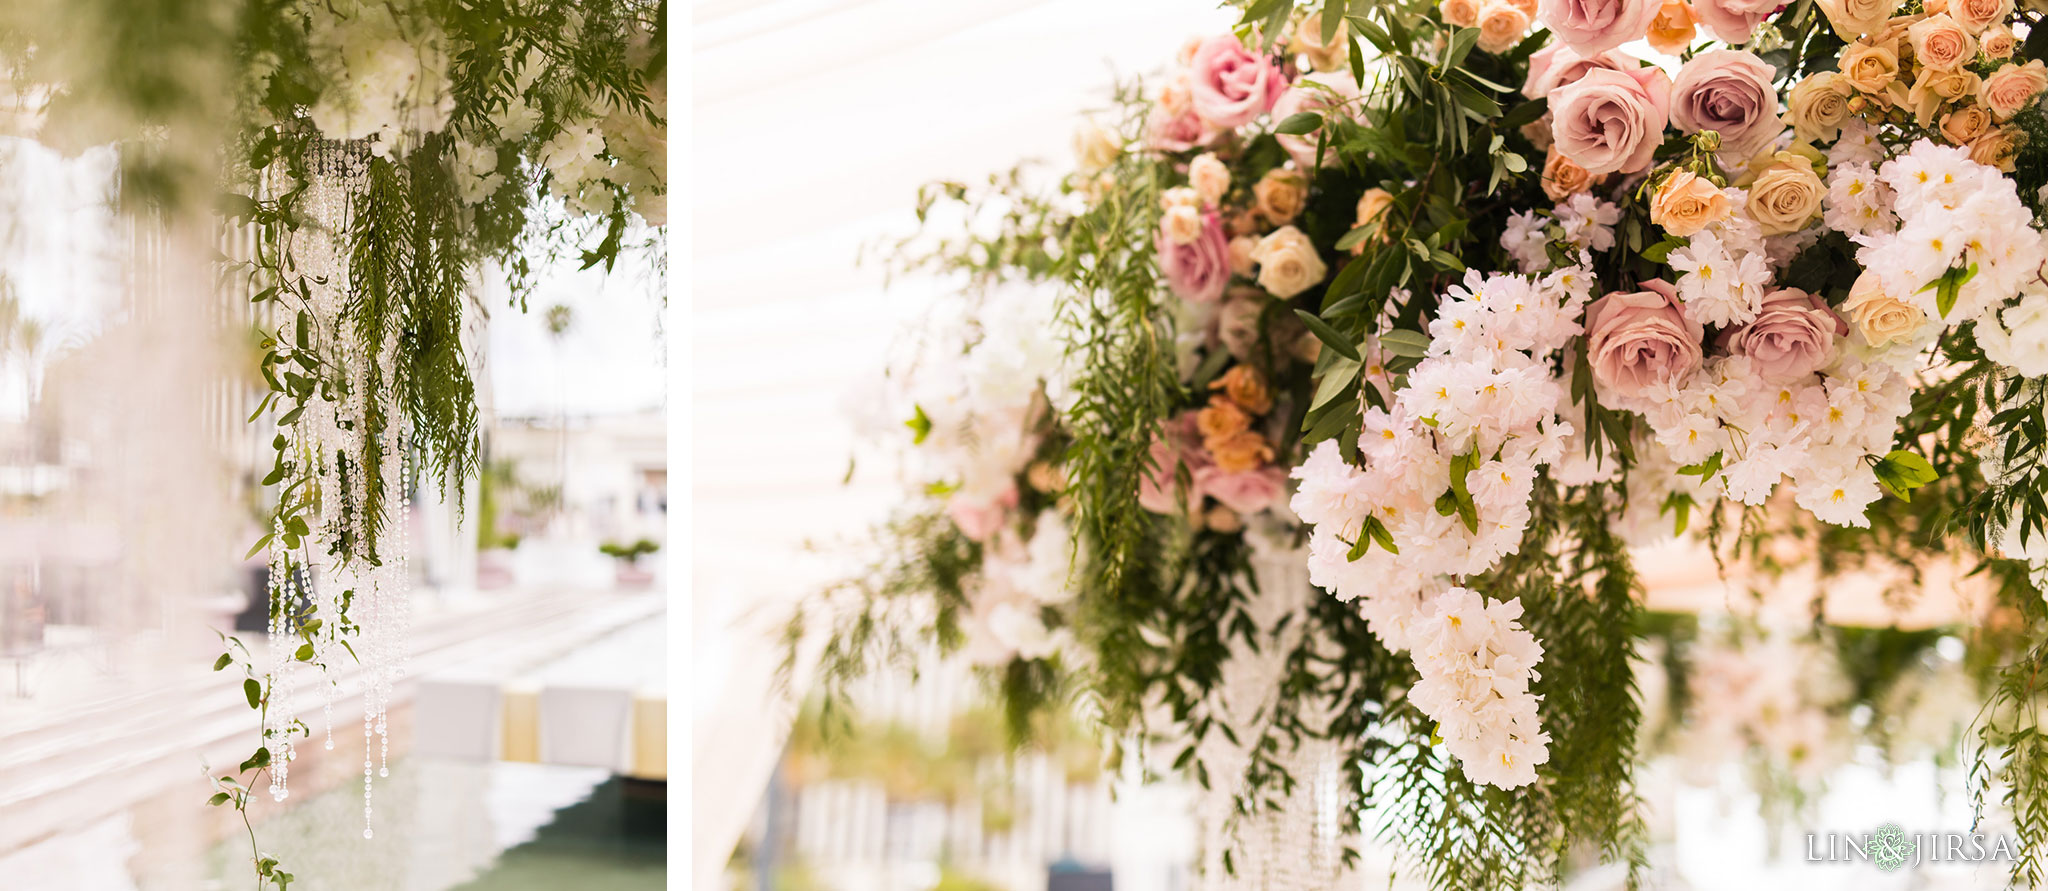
1556 65
1733 21
1641 340
1793 336
1730 93
980 516
1608 121
1590 26
1168 133
1300 98
1233 84
1180 443
1246 492
1198 270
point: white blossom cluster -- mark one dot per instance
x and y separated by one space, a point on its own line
1953 213
1484 398
1725 270
384 80
1587 223
1019 580
1779 699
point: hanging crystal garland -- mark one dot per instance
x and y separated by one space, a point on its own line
353 569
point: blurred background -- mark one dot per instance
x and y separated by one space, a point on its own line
791 330
528 744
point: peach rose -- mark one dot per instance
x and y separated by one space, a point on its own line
1938 42
1685 203
1239 452
1936 87
1562 178
1538 133
1241 249
1641 340
1280 194
1977 15
1786 195
1288 263
1871 69
1791 337
1590 26
1855 18
1997 147
1733 21
1879 317
1221 419
1370 206
1610 121
1817 106
1459 13
2012 88
1997 42
1232 84
1673 28
1965 124
1246 387
1556 65
1308 41
1501 26
1730 93
1209 178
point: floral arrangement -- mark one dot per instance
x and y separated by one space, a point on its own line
1503 289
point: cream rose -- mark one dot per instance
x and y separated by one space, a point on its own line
1308 41
1673 28
1181 224
1730 93
1370 206
1997 147
1095 147
1180 196
1562 178
1685 204
1590 26
1879 317
1610 121
1965 124
1241 249
1872 69
1938 42
1459 13
1288 263
1977 15
1786 195
2012 88
1280 194
1818 105
1501 26
1997 42
1855 18
1209 178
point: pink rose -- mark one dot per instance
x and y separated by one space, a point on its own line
1246 492
1300 98
979 516
1233 84
1733 21
1609 120
1556 65
1198 270
1793 336
1730 93
1590 26
1641 340
1169 133
1180 443
1237 326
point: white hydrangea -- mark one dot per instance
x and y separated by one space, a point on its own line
383 81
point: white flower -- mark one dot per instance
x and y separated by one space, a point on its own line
1525 240
1858 203
1588 222
2016 336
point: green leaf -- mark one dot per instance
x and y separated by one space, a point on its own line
1351 239
920 425
261 543
225 660
1705 470
1299 123
1405 343
1328 335
305 653
219 798
254 691
1359 547
1333 18
257 761
1379 533
1335 382
1680 504
1461 45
